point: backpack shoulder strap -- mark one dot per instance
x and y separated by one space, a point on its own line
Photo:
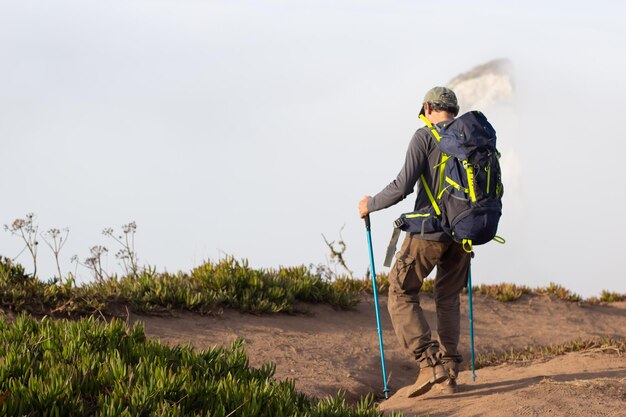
431 197
432 128
441 165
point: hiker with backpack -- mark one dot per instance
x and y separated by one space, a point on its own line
451 214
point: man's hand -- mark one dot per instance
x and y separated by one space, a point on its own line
363 211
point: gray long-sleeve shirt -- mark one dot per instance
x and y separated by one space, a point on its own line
421 158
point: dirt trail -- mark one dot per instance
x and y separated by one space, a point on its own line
330 350
576 384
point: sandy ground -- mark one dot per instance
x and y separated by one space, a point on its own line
330 350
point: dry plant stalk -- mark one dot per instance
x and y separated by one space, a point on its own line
94 262
336 254
26 229
127 254
58 241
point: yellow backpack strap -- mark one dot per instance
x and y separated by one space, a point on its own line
467 245
431 127
442 166
470 180
430 196
444 157
499 239
455 185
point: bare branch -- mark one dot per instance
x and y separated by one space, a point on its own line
336 254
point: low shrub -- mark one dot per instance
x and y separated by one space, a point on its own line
503 292
208 288
559 292
260 290
228 283
611 297
91 368
22 292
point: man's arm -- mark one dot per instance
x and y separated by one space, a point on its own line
403 185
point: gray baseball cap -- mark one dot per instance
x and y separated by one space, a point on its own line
440 95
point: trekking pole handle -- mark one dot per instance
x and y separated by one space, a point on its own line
368 224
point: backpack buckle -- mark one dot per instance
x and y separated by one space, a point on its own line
398 223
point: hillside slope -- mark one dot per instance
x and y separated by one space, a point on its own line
330 350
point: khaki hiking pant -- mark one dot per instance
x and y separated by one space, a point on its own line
415 260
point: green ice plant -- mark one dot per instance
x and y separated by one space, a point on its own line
212 286
89 367
209 288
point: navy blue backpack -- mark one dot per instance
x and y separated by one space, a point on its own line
468 202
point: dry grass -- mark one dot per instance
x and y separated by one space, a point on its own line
605 345
584 383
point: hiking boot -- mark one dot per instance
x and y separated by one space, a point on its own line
427 377
449 386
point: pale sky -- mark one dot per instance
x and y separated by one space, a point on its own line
250 128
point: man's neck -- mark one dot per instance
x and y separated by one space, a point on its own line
440 116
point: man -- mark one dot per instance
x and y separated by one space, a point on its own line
437 359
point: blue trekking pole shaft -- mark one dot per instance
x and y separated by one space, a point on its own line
375 292
471 317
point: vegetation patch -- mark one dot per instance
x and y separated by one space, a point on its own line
559 292
91 368
607 297
382 284
212 286
605 344
503 292
208 288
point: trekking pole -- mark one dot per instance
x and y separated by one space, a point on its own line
375 292
471 317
